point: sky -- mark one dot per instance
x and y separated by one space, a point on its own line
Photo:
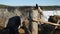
30 2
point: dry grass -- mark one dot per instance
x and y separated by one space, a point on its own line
2 22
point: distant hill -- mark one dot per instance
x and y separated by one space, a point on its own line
2 6
42 7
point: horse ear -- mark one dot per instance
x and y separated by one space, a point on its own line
36 6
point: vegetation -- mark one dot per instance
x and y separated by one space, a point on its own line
2 6
55 7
